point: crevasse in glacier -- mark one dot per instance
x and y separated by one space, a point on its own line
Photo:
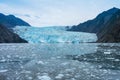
53 35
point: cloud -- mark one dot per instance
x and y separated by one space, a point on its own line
55 12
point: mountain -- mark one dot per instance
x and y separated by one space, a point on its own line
11 21
6 36
93 26
111 31
106 25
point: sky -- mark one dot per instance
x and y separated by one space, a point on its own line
41 13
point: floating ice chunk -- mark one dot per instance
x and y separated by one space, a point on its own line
40 62
59 76
73 79
45 77
8 56
58 57
25 71
3 60
2 71
65 63
107 52
53 58
117 60
110 58
92 75
30 78
69 70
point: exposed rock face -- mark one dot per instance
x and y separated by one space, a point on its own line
111 31
11 21
106 25
6 36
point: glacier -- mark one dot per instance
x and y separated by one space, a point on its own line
53 35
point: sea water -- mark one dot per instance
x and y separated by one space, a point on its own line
84 61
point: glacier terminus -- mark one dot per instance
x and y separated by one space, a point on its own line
53 35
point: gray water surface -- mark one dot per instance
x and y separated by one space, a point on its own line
85 61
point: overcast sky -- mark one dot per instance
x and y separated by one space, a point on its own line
56 12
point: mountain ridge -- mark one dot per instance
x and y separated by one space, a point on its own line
11 21
104 25
93 26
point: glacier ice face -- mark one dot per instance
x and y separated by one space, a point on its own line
53 35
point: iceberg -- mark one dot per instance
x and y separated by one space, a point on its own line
53 35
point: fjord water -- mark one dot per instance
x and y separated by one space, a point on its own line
85 61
